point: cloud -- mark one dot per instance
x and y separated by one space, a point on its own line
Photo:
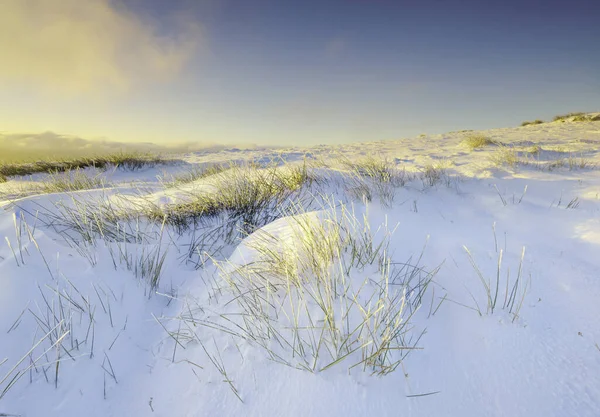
88 46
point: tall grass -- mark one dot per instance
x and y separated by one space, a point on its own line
64 320
373 177
505 156
248 197
88 226
71 180
198 173
433 174
510 292
55 182
145 257
326 295
377 168
238 201
123 160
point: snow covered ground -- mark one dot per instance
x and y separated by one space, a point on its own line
467 286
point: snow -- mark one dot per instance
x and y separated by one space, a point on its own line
138 351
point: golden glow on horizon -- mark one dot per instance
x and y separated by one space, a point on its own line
79 47
78 66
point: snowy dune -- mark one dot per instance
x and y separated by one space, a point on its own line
467 286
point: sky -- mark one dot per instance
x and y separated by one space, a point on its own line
278 72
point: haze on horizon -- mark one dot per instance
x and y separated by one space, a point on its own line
278 72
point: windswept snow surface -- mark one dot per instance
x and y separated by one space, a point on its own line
82 333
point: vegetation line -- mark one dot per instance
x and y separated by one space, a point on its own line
122 160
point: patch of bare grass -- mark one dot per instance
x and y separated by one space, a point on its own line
534 122
477 142
124 160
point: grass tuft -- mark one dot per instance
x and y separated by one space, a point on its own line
508 295
328 295
374 176
477 142
534 122
377 168
505 156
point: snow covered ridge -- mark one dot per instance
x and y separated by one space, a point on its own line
450 275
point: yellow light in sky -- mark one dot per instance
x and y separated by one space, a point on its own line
86 46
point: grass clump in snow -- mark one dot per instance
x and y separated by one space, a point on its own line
248 196
374 167
145 258
580 162
594 118
432 174
577 117
572 162
327 294
501 293
88 225
473 142
538 157
196 174
72 180
534 122
562 159
534 150
505 156
563 117
56 182
236 201
373 176
124 160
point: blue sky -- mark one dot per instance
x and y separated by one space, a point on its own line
295 72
